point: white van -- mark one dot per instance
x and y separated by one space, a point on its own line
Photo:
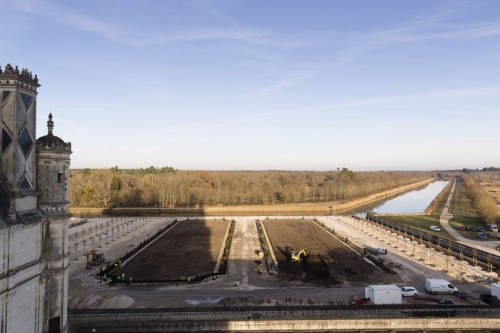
439 286
494 227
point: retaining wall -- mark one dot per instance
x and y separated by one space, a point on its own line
369 319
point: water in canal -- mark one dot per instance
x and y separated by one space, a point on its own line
414 201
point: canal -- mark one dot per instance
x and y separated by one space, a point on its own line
413 201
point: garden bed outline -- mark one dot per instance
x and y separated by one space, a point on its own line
271 251
201 278
109 268
145 247
336 240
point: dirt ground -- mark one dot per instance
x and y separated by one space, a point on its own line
327 257
493 189
189 248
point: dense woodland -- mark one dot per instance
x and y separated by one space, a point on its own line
483 203
488 176
167 187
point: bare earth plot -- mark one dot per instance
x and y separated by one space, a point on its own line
328 257
190 248
492 188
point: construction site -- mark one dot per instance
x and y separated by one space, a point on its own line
319 262
258 274
195 247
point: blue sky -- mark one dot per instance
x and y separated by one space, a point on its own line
258 85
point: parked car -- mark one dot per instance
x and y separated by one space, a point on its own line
471 228
434 228
409 291
381 250
489 299
494 228
462 228
488 235
498 236
480 229
482 235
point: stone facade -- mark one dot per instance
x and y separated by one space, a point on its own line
34 213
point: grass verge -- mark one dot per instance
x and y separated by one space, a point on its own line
421 222
476 222
460 203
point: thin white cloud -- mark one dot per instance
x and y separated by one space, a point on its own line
76 105
425 28
290 80
78 134
237 119
139 36
455 142
443 95
353 45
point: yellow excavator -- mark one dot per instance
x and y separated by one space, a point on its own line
94 258
298 255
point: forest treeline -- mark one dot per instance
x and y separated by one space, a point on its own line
168 187
484 169
485 206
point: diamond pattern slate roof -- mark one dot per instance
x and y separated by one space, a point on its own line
25 141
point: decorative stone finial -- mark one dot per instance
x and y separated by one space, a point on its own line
24 74
9 69
50 124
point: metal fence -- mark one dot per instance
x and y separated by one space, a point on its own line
472 255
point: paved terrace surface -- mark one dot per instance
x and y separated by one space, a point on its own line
84 289
492 310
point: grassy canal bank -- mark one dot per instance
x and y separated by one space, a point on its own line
460 205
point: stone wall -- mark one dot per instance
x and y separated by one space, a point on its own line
370 319
24 244
20 282
24 307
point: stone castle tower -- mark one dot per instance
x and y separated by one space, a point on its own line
34 212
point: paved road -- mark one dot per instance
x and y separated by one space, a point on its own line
172 297
242 264
446 216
